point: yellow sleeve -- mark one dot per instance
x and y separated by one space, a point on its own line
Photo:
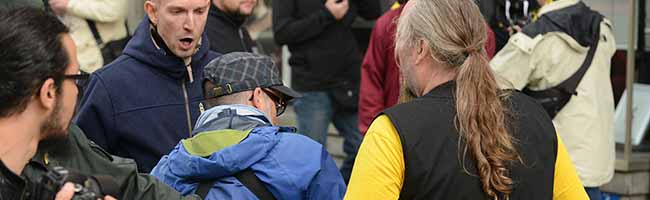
566 185
379 167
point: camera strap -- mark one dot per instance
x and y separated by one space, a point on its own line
247 178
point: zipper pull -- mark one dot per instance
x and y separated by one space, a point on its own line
201 108
189 72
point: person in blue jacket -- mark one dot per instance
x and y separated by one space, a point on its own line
143 103
238 135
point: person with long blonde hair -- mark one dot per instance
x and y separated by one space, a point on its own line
460 136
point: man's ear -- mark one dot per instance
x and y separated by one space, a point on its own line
257 100
423 51
150 9
47 94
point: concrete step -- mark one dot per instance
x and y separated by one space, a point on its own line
617 197
629 183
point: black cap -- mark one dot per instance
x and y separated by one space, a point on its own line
243 71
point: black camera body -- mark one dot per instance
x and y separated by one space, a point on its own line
86 187
519 12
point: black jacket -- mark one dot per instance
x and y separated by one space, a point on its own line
226 33
324 52
79 154
12 186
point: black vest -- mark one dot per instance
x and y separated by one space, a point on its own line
433 169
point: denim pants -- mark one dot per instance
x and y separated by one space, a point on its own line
315 110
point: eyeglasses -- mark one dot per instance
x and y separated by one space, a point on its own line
79 80
280 104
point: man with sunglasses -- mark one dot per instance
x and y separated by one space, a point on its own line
38 71
236 142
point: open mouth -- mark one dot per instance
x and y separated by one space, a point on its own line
186 42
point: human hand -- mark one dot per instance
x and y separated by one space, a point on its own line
67 191
338 8
59 7
514 29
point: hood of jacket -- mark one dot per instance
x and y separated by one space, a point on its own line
142 48
228 126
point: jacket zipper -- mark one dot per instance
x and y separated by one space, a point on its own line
241 39
187 108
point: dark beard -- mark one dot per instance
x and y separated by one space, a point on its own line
53 129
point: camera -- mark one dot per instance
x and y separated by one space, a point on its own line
518 12
85 187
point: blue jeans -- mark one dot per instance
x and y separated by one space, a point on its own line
594 193
314 112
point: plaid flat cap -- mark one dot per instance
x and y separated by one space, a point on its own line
243 71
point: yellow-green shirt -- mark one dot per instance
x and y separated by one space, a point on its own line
379 167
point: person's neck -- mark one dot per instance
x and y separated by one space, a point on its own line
18 141
437 77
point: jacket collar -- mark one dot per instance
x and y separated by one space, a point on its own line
153 54
442 90
236 117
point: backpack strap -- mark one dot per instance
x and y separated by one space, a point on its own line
571 84
247 178
204 187
93 29
555 98
254 184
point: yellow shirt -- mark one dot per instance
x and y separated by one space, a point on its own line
379 167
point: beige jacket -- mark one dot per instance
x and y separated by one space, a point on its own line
585 124
109 17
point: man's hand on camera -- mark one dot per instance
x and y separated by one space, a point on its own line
67 192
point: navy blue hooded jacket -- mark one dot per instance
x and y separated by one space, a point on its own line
142 104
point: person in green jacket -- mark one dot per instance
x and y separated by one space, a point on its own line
75 152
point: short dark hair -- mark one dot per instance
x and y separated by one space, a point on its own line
31 51
402 2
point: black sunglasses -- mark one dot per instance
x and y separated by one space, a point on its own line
79 80
280 103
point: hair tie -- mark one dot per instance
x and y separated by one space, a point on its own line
470 50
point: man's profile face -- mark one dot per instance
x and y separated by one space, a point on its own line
406 54
180 23
240 7
56 125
